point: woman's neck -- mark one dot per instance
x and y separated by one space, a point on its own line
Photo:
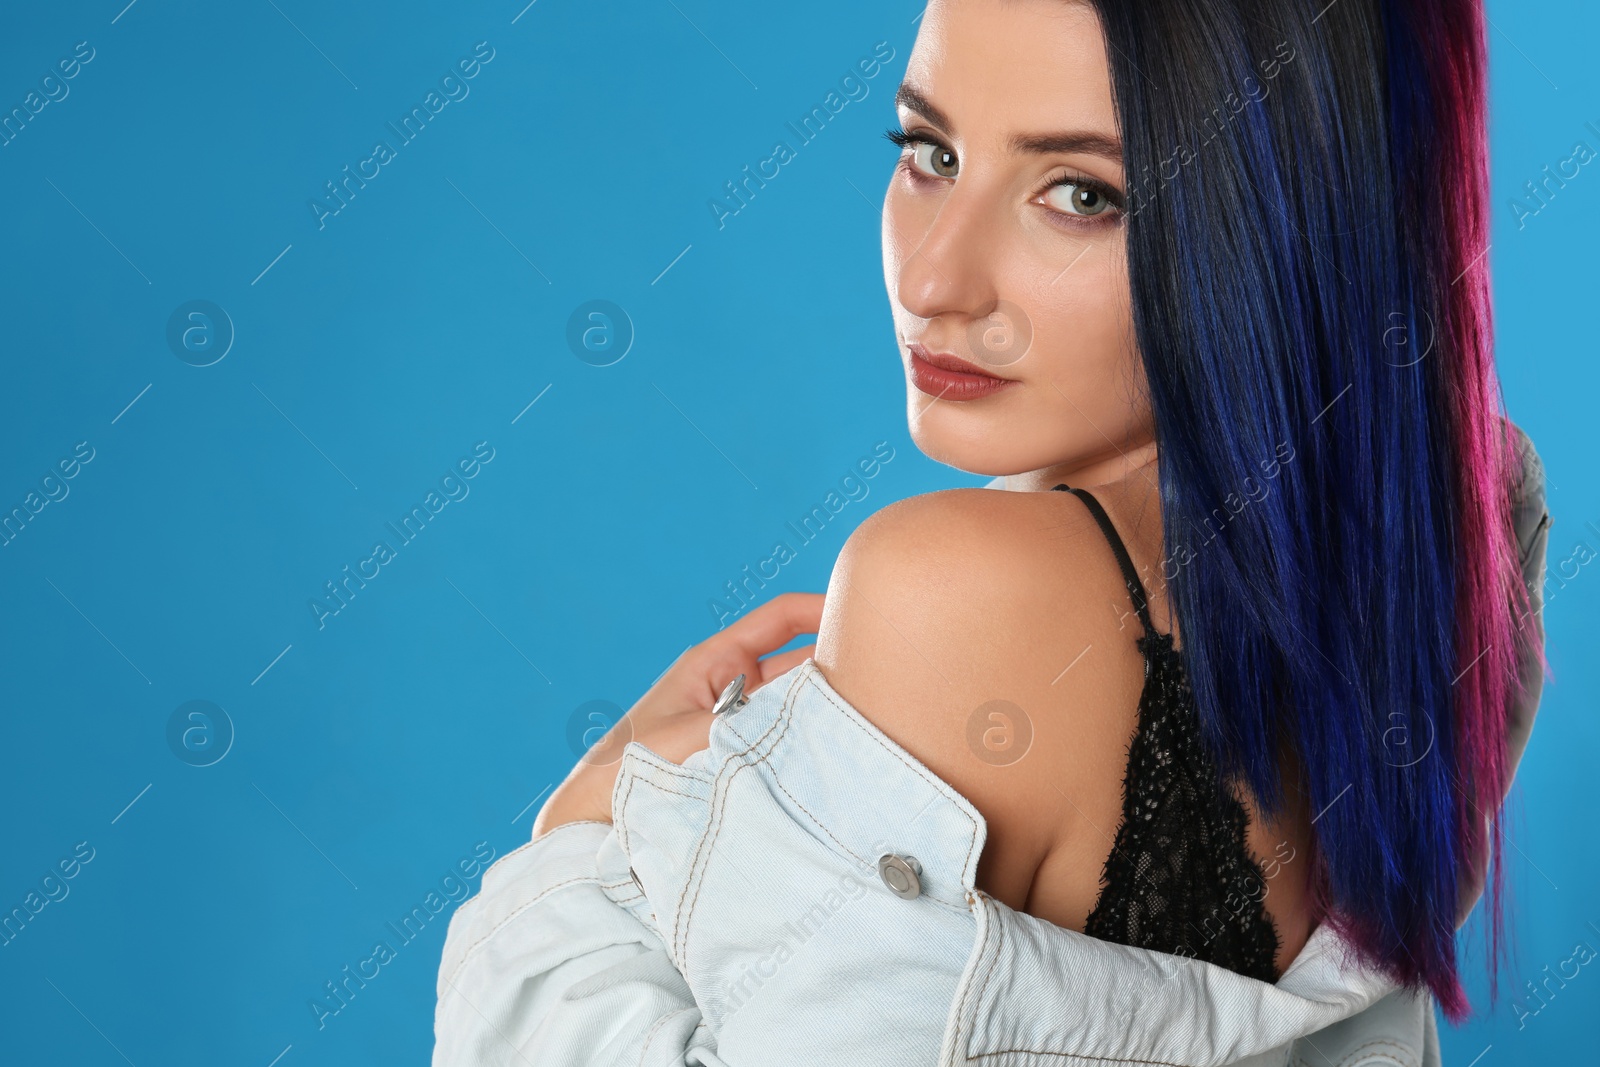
1135 461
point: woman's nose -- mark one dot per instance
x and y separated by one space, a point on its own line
947 268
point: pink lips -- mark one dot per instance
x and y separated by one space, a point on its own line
948 377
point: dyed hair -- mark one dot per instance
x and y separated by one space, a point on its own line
1306 229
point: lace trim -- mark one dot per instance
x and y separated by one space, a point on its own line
1180 877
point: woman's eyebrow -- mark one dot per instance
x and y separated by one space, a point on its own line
1096 144
910 96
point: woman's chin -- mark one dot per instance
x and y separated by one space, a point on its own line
960 437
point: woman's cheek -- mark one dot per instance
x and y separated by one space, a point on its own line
1082 307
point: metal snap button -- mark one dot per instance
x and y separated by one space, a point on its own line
732 698
901 874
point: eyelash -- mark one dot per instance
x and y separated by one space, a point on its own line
904 140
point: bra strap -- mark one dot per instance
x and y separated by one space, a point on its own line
1130 577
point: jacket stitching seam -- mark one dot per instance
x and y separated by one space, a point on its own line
781 726
675 792
553 829
935 781
625 839
1082 1056
645 1047
1402 1052
680 935
626 793
961 1005
668 767
718 803
818 822
960 1037
633 776
994 957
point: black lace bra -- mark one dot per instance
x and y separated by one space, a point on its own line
1180 878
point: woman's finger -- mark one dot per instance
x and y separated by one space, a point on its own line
773 666
700 673
774 624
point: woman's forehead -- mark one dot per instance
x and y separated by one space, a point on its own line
1013 67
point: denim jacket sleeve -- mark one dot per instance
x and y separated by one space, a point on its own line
551 965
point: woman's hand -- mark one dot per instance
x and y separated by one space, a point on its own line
673 719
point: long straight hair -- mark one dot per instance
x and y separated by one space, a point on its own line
1307 230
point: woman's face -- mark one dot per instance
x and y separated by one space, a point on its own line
1003 245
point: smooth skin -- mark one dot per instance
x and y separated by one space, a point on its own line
1001 216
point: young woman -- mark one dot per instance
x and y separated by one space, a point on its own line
1191 745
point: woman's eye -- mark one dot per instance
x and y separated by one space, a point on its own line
1070 198
934 160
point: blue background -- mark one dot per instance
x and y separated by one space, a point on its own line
372 753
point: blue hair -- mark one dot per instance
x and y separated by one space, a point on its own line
1306 220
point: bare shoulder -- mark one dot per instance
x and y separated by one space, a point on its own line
987 633
956 568
987 530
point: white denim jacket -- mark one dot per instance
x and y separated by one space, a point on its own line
734 915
